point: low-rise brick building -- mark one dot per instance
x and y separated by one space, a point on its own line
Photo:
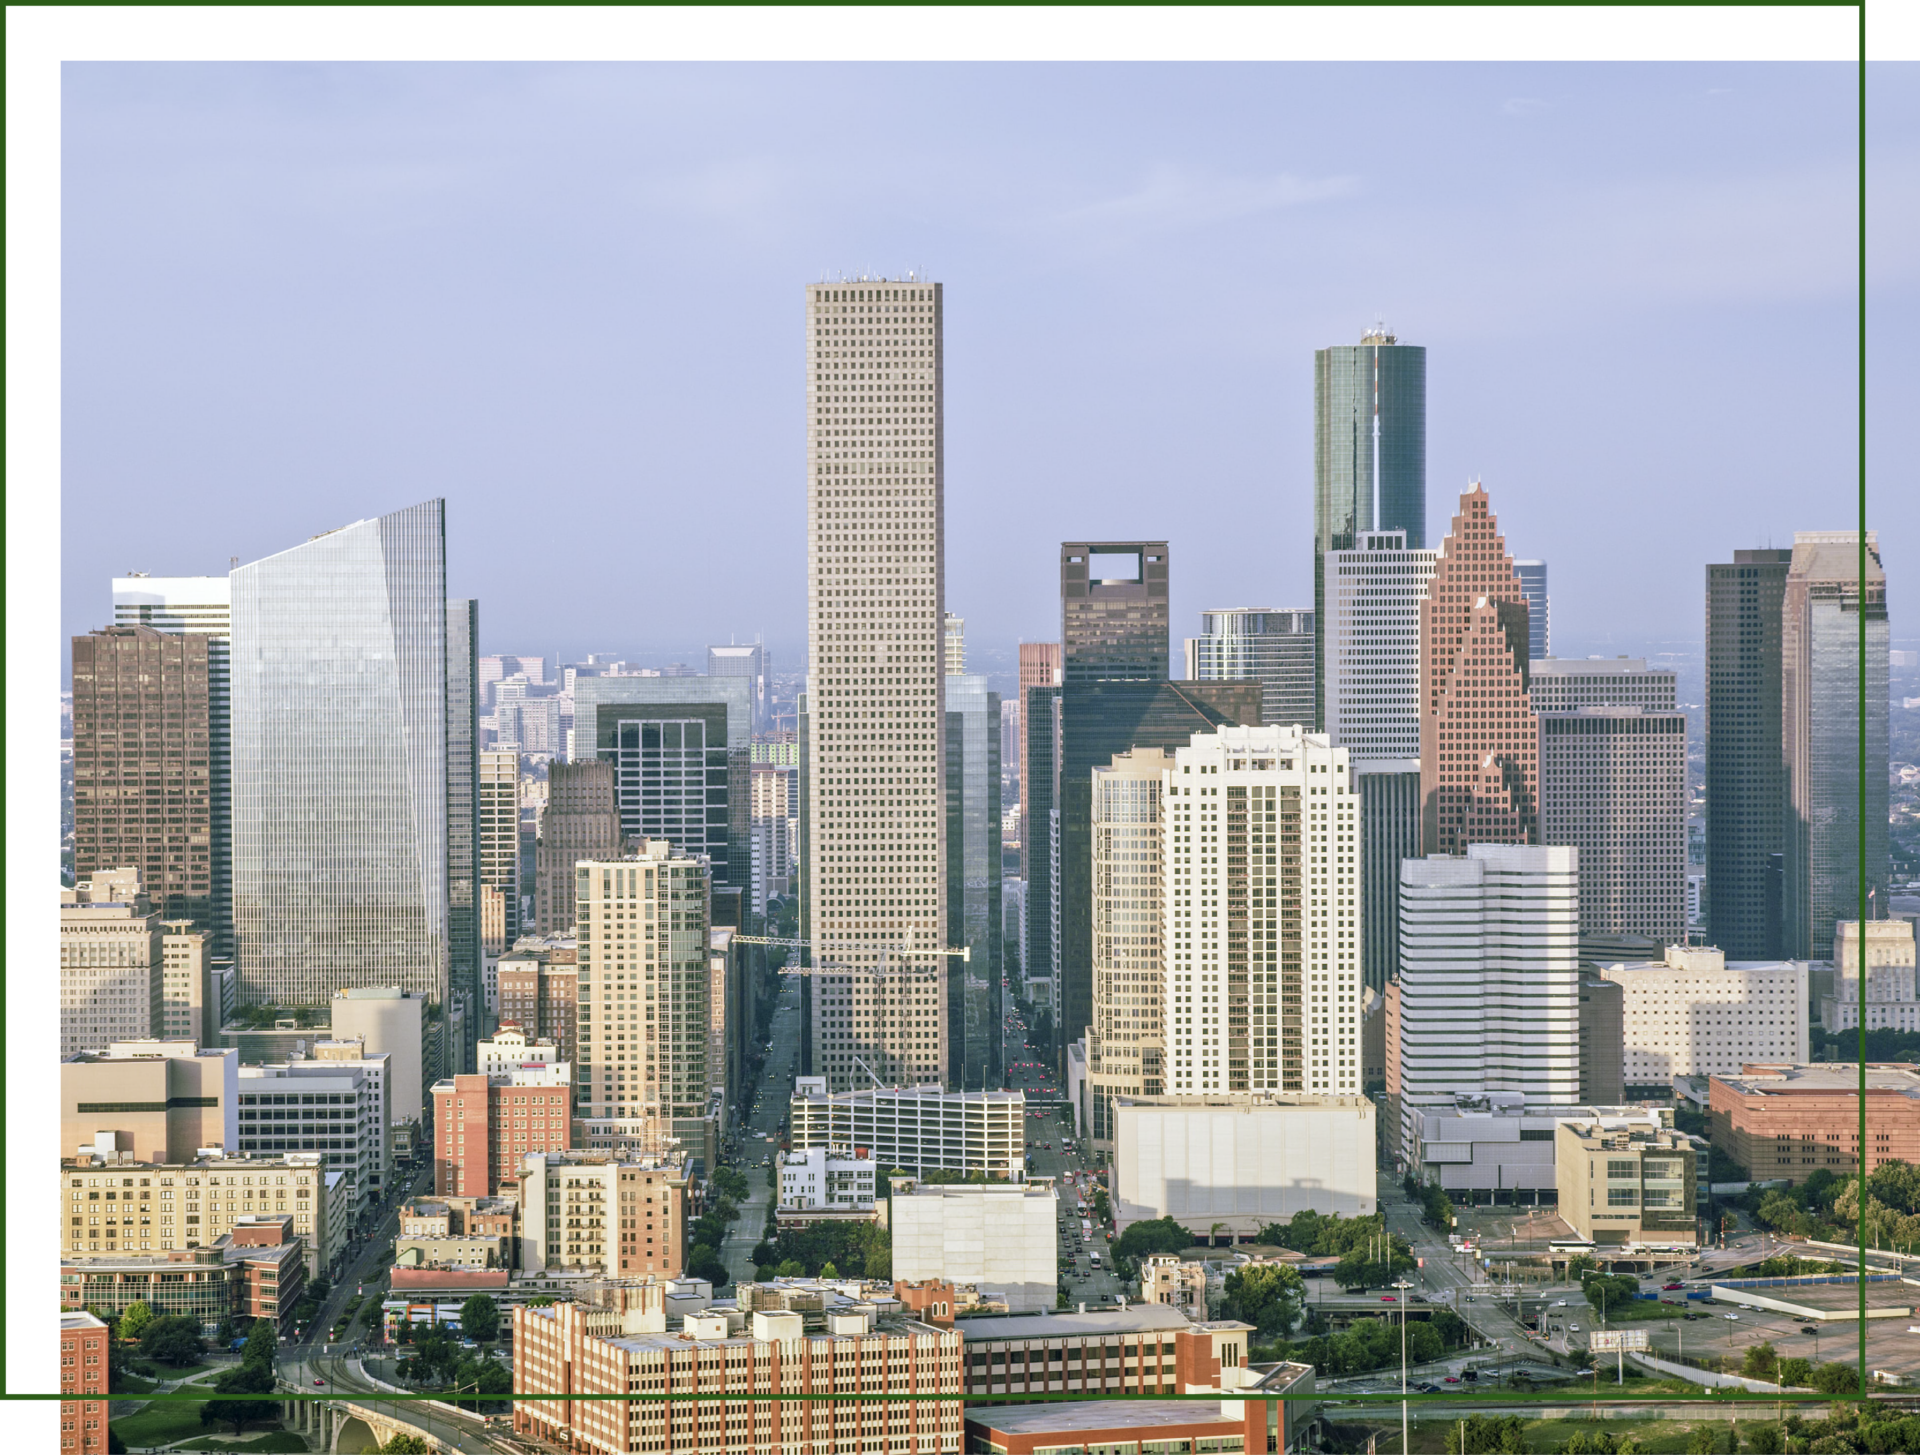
485 1127
1145 1348
1779 1119
83 1370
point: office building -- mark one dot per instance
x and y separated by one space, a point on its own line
755 665
335 1104
340 797
851 1349
1479 776
626 1216
128 1207
682 755
1000 1237
1040 830
1126 1039
1369 458
1613 784
398 1024
975 1002
1491 1150
1745 777
1096 721
582 822
1142 1348
729 1013
142 763
1267 645
1114 622
1626 1185
155 1100
192 989
1567 684
1781 1119
83 1371
465 952
499 830
644 994
112 965
485 1126
1826 871
1489 988
539 991
953 643
1244 1422
821 1179
775 750
511 1049
1389 791
200 607
1693 1014
776 832
1234 1164
1603 1042
1887 948
1039 667
1371 676
918 1129
1262 914
875 721
257 1271
1533 584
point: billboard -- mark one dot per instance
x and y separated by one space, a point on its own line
1615 1341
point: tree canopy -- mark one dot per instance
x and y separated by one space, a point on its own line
173 1339
134 1318
1267 1295
1156 1235
480 1319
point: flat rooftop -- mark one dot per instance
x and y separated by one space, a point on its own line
1105 1414
1825 1302
1890 1078
1066 1325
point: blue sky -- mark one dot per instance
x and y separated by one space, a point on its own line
569 299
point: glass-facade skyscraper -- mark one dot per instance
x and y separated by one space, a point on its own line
1820 736
340 845
1369 458
463 815
1533 586
1273 647
974 999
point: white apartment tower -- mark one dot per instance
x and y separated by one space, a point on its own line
499 828
1489 988
1262 926
1126 1043
1373 645
876 869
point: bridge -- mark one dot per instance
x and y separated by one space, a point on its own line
351 1427
347 1421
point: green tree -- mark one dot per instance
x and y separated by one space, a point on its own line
480 1319
1609 1292
789 1268
1762 1361
1703 1440
406 1445
827 1270
730 1184
134 1318
1764 1439
1579 1263
1156 1235
173 1339
1795 1371
1424 1344
261 1341
244 1379
1837 1379
1267 1295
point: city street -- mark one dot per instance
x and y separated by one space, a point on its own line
766 1115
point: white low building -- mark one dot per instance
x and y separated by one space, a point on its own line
917 1129
1484 1150
819 1178
1235 1163
998 1236
509 1049
1694 1014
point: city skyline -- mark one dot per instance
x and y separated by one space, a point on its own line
1245 344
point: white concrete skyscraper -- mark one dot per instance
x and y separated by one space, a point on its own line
875 797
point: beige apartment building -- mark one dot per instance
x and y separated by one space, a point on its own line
1167 1279
1126 1044
1632 1185
1693 1014
151 1100
111 982
192 1004
592 1210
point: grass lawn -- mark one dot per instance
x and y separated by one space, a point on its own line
161 1422
175 1371
275 1442
1642 1310
134 1384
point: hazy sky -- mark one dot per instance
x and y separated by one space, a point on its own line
569 299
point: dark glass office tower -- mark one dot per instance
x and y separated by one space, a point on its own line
1745 805
1369 459
1821 736
463 827
1114 620
974 999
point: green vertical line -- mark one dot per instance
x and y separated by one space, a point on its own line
1860 614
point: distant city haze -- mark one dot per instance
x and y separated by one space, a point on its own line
571 300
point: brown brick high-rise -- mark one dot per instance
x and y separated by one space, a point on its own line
1479 741
582 821
141 772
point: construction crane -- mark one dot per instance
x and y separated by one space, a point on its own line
879 972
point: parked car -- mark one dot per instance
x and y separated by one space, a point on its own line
1453 1379
1670 1287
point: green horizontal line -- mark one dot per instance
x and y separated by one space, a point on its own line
1465 1396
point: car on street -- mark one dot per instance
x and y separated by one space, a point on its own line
1388 1298
1670 1287
320 1383
1453 1379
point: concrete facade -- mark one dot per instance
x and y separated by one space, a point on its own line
1693 1014
1000 1237
161 1100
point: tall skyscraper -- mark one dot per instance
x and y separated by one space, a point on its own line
199 606
1273 647
1479 771
974 999
1567 684
1489 989
1369 457
1114 621
142 796
1371 681
875 730
642 926
682 755
754 664
1746 800
499 830
463 828
953 642
1613 784
1533 585
1389 790
340 763
1126 1040
1821 735
582 822
1039 667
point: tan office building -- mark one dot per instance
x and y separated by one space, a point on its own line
153 1100
1627 1184
111 981
111 1209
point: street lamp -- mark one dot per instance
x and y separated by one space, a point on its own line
1403 1285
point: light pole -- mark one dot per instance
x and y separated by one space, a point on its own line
1403 1285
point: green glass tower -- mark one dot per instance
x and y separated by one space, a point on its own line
1369 460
